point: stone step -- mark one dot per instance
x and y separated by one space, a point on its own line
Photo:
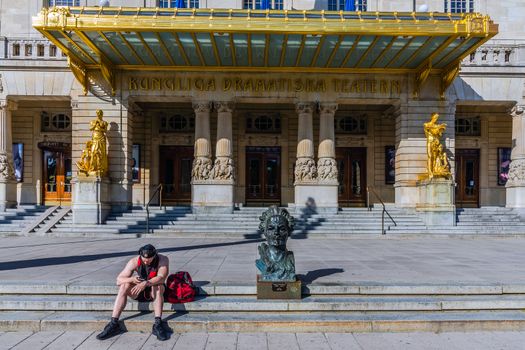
341 322
76 288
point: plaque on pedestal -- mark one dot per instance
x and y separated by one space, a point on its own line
278 289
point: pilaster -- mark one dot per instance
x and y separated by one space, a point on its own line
7 175
515 187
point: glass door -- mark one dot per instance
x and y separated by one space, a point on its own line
263 171
467 178
175 173
57 177
351 165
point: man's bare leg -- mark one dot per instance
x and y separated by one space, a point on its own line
158 299
121 300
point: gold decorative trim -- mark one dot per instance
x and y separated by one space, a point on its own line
79 72
421 77
447 78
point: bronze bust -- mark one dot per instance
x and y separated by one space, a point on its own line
276 263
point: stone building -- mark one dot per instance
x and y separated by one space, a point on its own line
225 106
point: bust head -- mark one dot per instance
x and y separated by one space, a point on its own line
276 225
100 114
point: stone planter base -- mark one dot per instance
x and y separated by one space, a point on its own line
7 194
90 200
316 198
436 202
212 198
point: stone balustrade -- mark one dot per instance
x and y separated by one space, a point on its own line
498 53
32 49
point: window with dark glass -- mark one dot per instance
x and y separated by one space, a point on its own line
468 126
55 122
52 51
336 5
459 6
16 49
64 2
267 122
351 124
28 50
40 50
179 4
180 122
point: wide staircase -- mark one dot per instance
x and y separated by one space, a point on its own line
243 223
180 221
367 307
15 220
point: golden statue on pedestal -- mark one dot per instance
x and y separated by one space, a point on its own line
94 158
437 161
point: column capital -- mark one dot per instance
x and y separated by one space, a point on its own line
328 107
223 106
202 106
8 105
304 107
517 111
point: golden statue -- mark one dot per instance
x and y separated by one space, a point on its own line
437 161
94 158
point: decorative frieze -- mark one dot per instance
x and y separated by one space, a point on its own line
327 170
223 169
202 169
516 173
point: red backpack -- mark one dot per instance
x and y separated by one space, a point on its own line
179 288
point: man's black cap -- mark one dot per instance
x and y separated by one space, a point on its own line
147 251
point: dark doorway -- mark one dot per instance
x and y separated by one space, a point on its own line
175 174
263 175
351 164
467 178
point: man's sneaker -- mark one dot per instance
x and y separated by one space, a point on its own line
109 331
159 331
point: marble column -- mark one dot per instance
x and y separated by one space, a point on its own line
212 185
7 175
305 169
307 194
327 173
515 186
202 164
223 169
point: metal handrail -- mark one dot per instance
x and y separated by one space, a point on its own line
159 191
368 190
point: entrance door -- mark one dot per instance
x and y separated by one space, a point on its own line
57 177
351 165
467 178
263 175
175 173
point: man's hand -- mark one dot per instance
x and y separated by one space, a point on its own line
135 291
136 280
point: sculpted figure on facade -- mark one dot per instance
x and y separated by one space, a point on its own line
276 263
223 169
202 169
327 170
6 168
305 170
437 161
94 157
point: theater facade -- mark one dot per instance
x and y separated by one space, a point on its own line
217 109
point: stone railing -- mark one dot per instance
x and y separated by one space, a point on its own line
497 53
31 49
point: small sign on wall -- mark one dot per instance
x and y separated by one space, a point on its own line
503 165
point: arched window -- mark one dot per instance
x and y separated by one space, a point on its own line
55 122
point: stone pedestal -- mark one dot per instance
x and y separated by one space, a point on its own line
7 194
436 202
316 198
212 197
90 200
278 290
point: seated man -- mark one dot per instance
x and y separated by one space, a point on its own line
147 285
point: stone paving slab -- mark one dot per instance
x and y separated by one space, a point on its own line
375 262
268 341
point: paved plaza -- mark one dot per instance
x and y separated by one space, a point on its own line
381 260
267 341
